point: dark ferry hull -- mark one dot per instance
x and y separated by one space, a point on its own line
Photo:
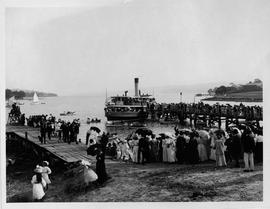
126 115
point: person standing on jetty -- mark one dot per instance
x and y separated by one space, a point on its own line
43 130
38 185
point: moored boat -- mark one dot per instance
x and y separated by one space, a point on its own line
68 113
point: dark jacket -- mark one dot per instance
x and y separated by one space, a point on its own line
248 143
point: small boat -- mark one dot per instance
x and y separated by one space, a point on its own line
88 121
68 113
35 100
166 120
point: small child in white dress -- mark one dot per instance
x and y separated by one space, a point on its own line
38 184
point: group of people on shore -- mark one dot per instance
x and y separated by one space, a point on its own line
191 146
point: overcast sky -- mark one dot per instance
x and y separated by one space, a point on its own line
105 45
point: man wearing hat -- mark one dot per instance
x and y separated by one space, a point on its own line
142 151
249 149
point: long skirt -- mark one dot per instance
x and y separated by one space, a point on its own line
202 152
38 192
171 155
165 154
220 160
135 154
212 155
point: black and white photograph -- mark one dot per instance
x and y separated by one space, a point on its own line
135 101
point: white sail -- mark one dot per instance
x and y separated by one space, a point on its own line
35 98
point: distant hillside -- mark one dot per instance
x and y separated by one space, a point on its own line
249 92
21 94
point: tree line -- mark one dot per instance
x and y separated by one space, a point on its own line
251 86
19 94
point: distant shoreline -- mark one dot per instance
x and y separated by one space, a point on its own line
254 96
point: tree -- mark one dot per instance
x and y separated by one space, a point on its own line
257 80
8 93
221 90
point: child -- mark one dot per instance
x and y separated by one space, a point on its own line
38 184
45 173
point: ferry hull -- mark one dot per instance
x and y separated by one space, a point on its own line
126 115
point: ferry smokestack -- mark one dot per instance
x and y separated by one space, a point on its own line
136 81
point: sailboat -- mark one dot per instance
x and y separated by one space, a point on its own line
36 100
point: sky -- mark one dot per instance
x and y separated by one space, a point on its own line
106 44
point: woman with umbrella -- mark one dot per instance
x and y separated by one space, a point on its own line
99 150
93 134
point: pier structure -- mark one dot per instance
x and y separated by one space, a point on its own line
53 151
200 114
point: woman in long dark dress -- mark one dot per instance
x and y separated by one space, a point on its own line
193 155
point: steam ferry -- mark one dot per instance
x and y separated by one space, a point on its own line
128 108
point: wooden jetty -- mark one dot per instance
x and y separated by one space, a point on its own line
53 150
207 114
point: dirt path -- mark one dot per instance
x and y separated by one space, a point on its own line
150 183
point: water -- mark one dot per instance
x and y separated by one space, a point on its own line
93 107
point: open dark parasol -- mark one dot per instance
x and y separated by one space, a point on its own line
144 131
94 128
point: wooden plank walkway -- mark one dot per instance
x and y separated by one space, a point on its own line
67 152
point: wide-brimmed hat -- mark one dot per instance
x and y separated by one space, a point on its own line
46 163
169 135
38 169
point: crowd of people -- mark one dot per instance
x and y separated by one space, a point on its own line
189 146
64 131
15 116
182 110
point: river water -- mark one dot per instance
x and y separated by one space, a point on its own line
93 106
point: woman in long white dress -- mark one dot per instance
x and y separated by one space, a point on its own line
38 185
135 148
212 145
202 140
170 141
164 151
